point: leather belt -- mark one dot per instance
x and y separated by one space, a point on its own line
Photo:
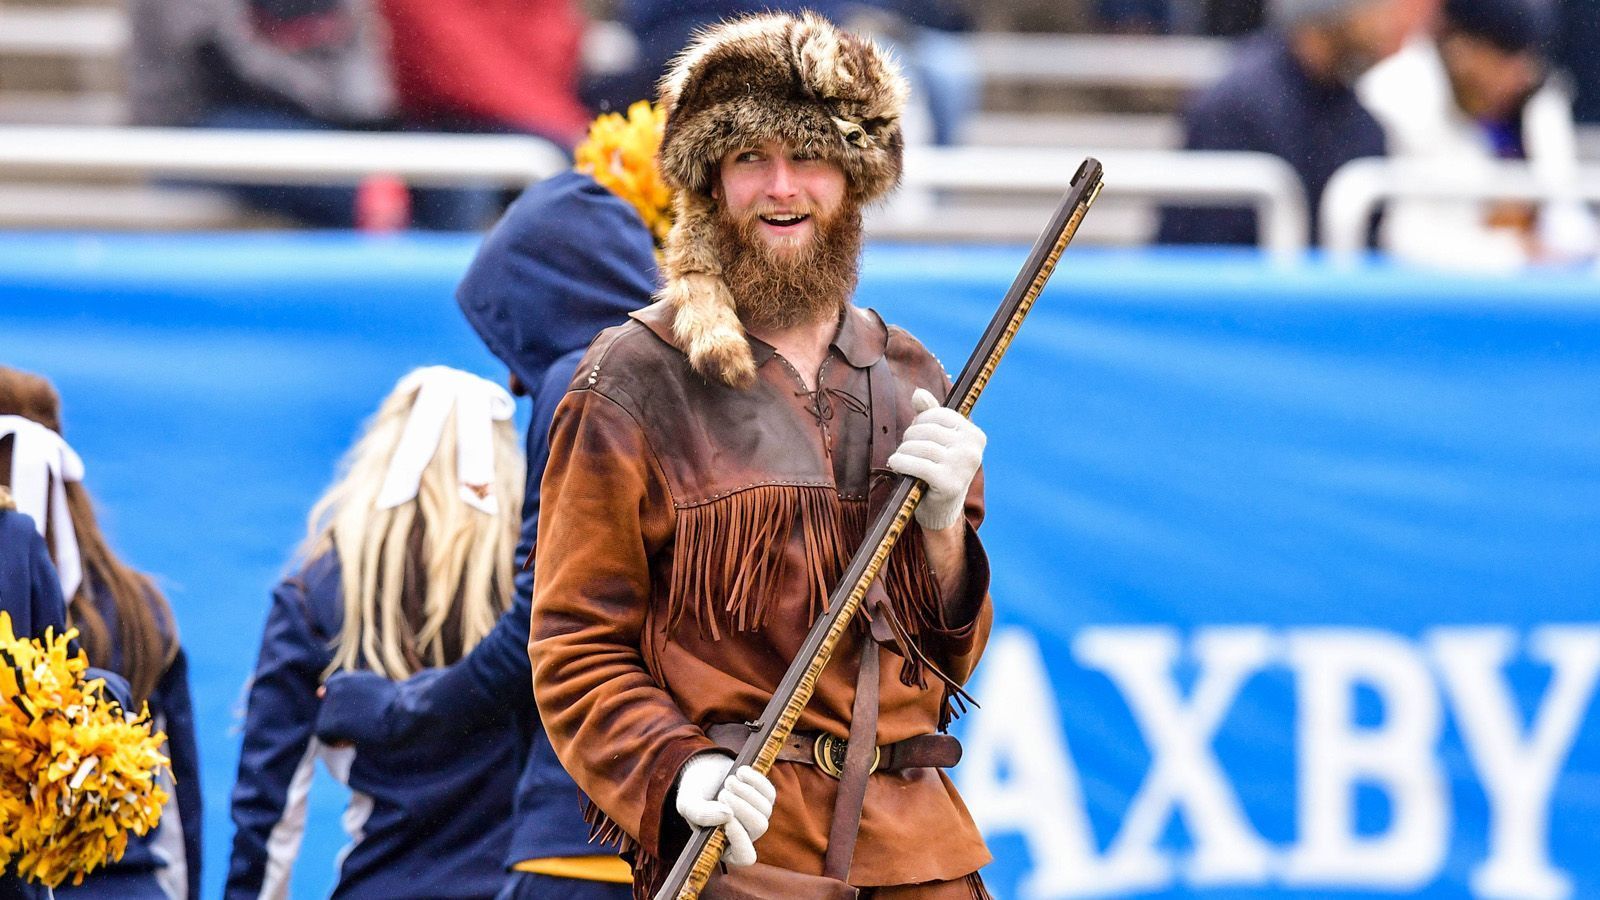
827 752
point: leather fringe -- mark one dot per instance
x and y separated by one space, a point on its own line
649 874
605 832
730 553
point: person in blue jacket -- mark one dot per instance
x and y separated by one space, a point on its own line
569 259
406 566
124 626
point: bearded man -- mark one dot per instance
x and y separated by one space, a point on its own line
712 468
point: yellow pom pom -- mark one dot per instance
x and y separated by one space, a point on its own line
620 153
77 776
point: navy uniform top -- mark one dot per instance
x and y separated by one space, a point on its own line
29 588
1268 103
430 817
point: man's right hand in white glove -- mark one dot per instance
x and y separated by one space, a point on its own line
741 803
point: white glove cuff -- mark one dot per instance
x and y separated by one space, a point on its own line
938 516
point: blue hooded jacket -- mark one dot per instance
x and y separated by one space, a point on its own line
568 260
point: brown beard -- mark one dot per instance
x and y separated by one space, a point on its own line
773 291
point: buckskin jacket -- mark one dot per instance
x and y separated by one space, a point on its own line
690 535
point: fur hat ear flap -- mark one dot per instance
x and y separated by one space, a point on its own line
704 319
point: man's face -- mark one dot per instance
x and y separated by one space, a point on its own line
781 193
1489 83
788 235
1370 33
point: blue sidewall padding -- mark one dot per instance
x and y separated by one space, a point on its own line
1374 493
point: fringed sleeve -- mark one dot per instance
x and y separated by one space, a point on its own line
606 510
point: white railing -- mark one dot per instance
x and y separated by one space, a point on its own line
276 157
1358 187
1193 178
1118 60
84 32
301 157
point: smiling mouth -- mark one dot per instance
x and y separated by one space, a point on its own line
787 220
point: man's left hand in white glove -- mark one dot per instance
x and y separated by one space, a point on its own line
709 794
944 449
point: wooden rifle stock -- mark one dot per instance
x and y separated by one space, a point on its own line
700 856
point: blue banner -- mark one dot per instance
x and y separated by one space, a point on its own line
1296 571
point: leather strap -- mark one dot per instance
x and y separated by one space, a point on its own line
938 751
858 761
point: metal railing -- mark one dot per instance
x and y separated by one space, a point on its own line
1193 178
1358 187
1138 61
276 157
83 32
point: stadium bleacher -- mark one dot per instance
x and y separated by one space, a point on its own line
61 64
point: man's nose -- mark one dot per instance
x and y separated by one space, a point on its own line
782 184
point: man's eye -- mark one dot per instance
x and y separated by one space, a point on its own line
748 156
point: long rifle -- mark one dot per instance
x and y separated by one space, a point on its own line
699 857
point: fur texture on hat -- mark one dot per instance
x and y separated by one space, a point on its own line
799 80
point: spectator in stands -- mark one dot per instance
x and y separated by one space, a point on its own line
496 66
124 625
1474 93
490 65
1578 50
1291 94
930 39
274 64
662 28
406 565
928 36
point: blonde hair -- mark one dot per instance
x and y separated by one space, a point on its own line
424 581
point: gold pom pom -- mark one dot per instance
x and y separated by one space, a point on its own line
620 153
77 776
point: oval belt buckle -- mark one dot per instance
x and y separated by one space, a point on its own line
829 753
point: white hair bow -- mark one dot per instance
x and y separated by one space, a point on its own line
41 464
478 404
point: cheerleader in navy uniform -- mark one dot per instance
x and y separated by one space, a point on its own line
124 626
406 566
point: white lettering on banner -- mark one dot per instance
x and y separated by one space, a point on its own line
1184 772
1334 756
1019 776
1517 773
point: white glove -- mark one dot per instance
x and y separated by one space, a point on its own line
741 803
944 449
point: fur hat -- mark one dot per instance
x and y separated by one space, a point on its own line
773 76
